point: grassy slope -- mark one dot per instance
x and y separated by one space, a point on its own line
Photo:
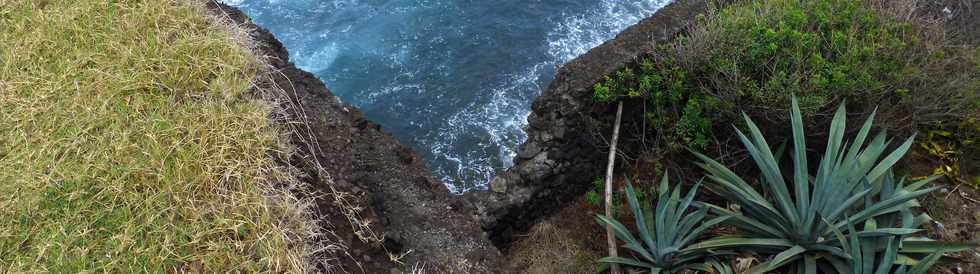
126 143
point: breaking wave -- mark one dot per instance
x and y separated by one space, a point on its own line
453 79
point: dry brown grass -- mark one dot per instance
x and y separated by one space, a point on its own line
327 250
129 142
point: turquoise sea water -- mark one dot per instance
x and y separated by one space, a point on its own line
453 79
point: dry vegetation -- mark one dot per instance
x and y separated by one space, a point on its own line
129 142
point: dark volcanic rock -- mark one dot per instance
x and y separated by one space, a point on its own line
406 203
561 156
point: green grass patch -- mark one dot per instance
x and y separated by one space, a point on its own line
127 144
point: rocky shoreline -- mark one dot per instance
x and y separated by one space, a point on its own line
411 213
563 154
421 222
398 196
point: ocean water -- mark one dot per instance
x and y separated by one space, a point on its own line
453 79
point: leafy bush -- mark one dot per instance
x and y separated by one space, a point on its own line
663 238
754 55
799 221
817 50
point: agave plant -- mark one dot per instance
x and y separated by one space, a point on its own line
878 255
714 266
798 216
871 255
891 253
661 247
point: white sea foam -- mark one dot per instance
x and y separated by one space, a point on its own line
302 3
502 119
505 117
579 33
318 60
494 122
393 89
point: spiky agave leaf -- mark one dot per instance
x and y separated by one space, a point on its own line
879 255
713 266
795 220
665 233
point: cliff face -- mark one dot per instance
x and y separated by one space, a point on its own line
400 198
563 154
410 207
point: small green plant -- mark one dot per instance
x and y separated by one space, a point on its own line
661 247
799 221
601 93
594 195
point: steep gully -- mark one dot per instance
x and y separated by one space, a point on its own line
412 209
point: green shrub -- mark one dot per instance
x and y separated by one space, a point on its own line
817 50
754 55
594 195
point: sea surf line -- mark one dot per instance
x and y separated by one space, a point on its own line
453 79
